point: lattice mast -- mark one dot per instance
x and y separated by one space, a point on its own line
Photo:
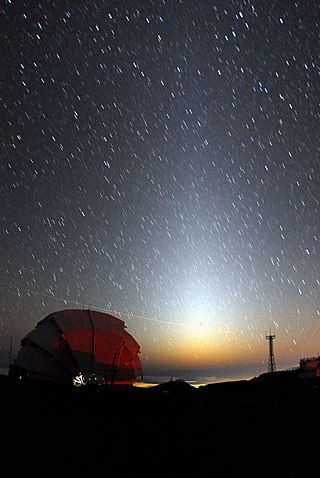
271 360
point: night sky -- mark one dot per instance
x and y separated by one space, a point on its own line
160 160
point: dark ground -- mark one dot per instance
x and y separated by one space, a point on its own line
265 427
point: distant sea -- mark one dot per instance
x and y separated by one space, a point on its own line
198 377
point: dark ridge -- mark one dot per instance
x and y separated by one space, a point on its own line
176 387
265 427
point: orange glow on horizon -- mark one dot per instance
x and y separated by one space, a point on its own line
198 346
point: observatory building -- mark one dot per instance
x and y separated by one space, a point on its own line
309 367
79 346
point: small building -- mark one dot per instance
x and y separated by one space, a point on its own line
309 367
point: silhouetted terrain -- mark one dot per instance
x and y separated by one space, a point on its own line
265 427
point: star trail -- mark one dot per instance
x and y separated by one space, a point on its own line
160 159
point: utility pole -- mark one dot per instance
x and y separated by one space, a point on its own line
271 360
10 353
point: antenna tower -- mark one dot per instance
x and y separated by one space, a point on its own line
271 360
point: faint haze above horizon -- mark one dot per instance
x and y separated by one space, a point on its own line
160 161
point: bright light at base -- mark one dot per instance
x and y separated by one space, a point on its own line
79 380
